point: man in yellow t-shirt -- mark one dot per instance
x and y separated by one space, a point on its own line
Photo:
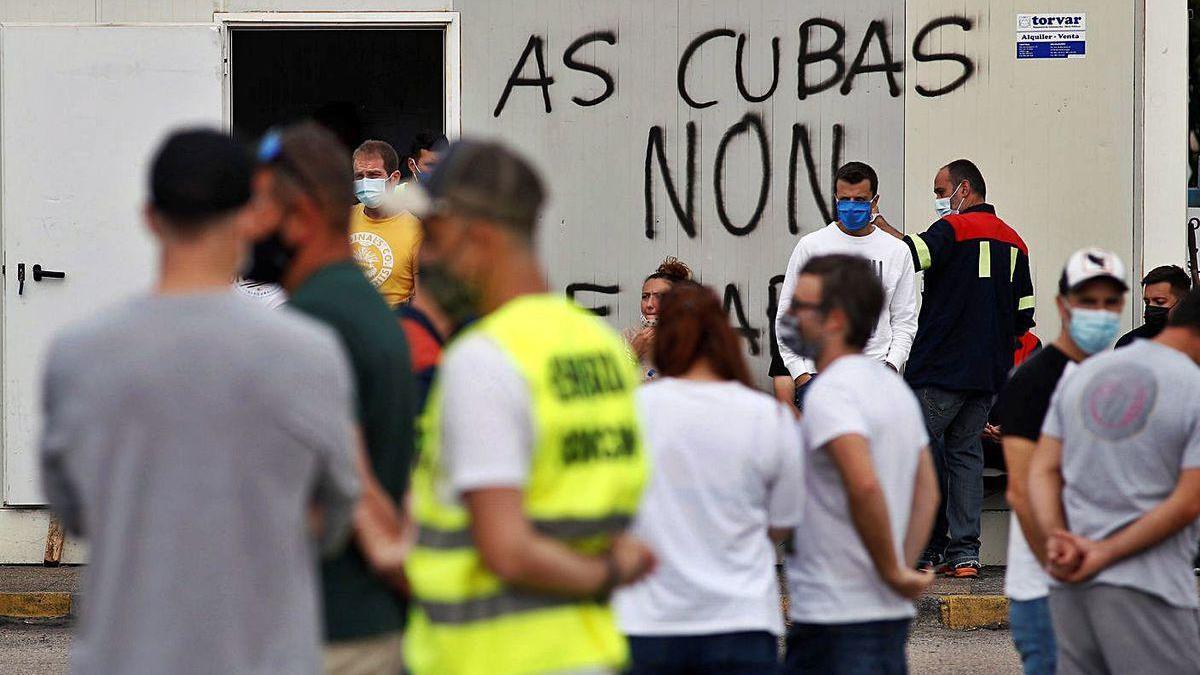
384 237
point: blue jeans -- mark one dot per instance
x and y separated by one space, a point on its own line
871 648
1033 635
954 420
747 653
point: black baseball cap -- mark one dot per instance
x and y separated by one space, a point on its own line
200 173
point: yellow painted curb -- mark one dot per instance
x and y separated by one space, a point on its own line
35 605
966 612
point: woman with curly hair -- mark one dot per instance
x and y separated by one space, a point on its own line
641 338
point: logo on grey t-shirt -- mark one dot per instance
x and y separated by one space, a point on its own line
1117 402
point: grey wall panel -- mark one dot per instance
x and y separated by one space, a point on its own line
594 156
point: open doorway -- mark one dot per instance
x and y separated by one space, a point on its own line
361 82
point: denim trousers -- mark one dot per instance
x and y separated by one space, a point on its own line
1033 634
745 653
954 420
869 648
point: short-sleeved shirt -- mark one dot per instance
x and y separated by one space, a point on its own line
1020 411
978 299
727 467
357 603
185 438
831 576
1130 424
386 249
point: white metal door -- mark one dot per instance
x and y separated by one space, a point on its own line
81 109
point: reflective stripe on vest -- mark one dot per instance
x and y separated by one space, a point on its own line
587 471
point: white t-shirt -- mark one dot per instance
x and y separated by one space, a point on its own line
897 325
726 465
831 578
487 428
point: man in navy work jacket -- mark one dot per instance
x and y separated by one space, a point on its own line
978 300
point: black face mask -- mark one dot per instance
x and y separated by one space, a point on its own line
269 259
1156 317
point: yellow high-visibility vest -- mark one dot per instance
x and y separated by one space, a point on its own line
587 472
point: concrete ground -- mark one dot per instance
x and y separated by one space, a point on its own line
932 650
34 649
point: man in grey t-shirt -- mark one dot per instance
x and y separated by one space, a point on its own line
1115 481
197 439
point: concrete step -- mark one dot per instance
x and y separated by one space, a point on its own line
35 593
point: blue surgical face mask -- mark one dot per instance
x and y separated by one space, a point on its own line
942 206
853 215
1093 330
370 191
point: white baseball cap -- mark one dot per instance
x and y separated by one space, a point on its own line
1092 263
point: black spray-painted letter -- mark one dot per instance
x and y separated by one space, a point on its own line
607 37
919 54
807 58
534 46
685 212
685 59
750 123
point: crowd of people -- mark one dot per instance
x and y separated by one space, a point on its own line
428 462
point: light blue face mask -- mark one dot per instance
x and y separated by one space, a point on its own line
942 206
1093 330
370 191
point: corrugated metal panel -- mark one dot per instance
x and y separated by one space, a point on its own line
595 156
1054 139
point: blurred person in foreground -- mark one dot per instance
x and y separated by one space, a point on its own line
1115 490
727 481
202 468
872 493
1091 295
304 185
641 338
532 462
1162 288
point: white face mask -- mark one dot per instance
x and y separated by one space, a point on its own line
942 206
370 191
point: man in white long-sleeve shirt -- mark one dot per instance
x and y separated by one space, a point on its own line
854 232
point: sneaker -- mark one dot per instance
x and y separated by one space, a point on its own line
967 569
929 561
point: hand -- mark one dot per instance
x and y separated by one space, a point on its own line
991 432
894 369
908 582
643 341
1094 557
803 379
633 558
875 207
1063 556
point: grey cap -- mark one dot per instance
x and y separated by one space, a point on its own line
487 180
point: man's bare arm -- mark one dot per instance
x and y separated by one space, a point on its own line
868 510
924 509
517 553
1045 487
1018 453
1176 512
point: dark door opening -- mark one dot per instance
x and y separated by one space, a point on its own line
382 83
